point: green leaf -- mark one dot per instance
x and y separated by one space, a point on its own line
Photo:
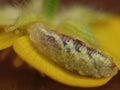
24 20
49 9
77 29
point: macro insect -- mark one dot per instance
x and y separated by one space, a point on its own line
58 54
70 53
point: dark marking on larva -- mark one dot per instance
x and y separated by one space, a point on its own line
68 50
90 51
65 39
51 40
78 44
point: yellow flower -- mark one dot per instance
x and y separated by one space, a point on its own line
106 33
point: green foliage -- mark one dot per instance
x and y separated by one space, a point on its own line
77 29
49 9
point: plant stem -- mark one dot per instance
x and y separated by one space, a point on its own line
49 9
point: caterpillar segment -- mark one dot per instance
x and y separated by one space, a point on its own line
71 54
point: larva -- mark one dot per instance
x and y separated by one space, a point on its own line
70 53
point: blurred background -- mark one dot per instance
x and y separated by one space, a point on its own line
13 77
106 5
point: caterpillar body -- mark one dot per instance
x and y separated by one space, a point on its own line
70 53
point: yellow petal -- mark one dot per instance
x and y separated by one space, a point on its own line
7 39
108 35
29 54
